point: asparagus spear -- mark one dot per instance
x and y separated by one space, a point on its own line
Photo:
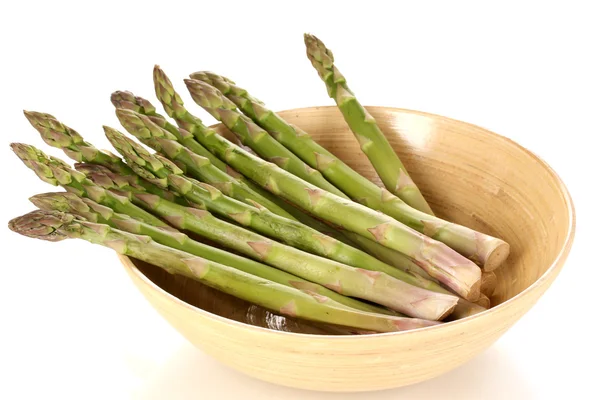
249 134
56 226
439 261
94 212
196 166
487 250
56 172
372 141
463 308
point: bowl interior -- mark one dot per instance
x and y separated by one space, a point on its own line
468 175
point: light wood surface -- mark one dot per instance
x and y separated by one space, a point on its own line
470 176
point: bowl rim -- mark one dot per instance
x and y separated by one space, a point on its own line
563 253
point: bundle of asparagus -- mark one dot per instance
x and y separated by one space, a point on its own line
313 239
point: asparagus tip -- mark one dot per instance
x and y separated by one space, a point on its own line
40 224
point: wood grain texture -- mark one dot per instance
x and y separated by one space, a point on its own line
470 176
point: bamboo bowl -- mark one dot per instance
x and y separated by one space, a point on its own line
469 175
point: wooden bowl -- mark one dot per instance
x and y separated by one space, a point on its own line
469 175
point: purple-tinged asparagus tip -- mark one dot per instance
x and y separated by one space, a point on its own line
40 224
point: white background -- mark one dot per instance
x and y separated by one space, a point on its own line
73 325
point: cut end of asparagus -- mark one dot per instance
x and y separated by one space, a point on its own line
498 251
40 224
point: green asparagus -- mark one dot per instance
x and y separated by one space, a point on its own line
56 172
372 141
94 212
56 226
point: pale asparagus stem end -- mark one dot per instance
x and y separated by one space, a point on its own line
498 254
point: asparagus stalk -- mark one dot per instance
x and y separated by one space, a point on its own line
56 172
56 226
372 140
196 166
438 260
94 212
391 257
249 134
463 309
